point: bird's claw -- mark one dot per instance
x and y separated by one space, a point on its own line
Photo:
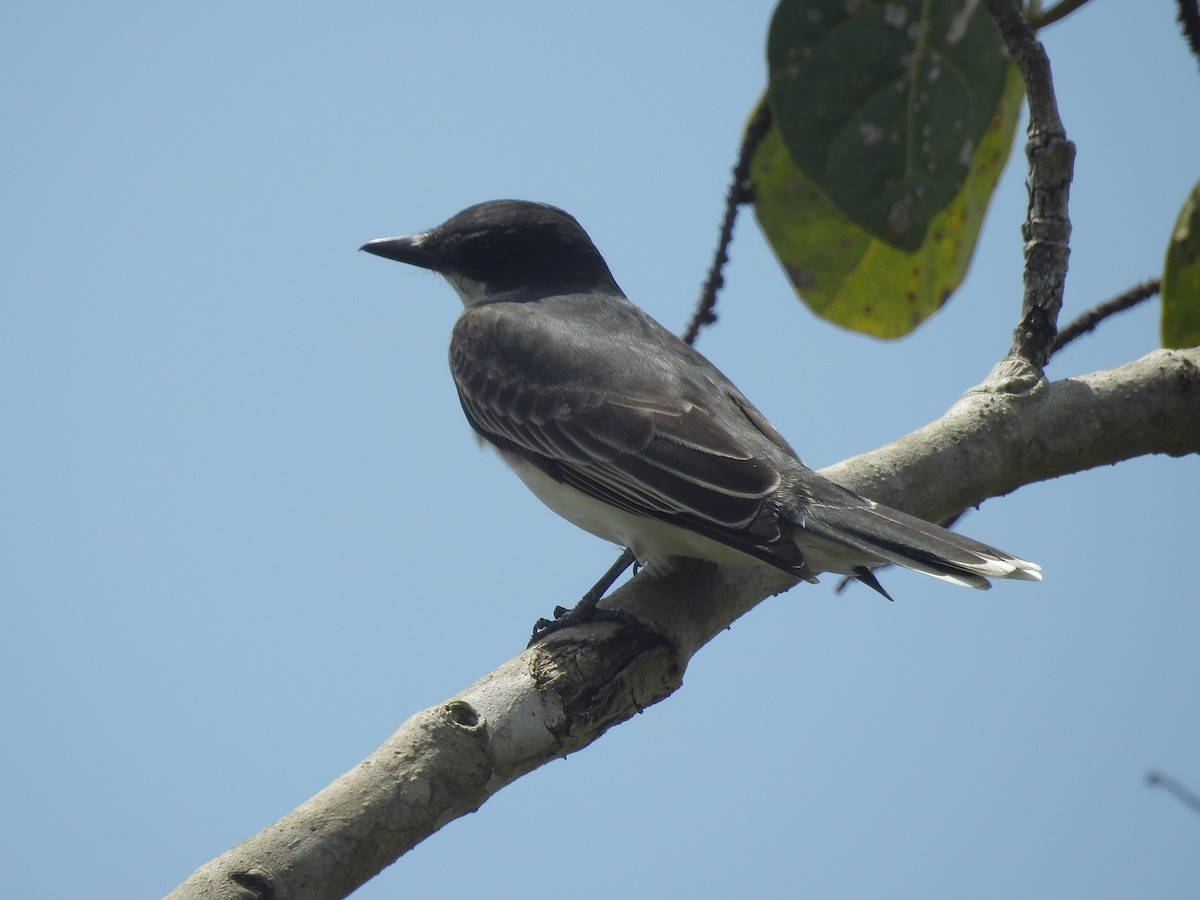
578 615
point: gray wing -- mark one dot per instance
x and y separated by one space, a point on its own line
622 413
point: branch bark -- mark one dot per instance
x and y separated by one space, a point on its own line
1047 228
559 696
1051 156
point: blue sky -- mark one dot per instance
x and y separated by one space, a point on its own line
246 532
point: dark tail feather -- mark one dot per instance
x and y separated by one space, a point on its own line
840 537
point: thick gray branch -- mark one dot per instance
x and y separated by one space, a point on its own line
564 693
1000 436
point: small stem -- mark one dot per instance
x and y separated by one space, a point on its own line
739 193
1088 321
1173 787
1040 18
1189 18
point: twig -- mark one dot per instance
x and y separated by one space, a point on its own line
739 192
1042 18
1088 321
1173 787
1189 18
1047 228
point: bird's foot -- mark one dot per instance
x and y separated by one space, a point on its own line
586 609
577 615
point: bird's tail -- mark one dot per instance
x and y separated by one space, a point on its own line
853 538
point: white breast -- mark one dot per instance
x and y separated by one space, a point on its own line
652 541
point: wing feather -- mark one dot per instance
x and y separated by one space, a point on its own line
630 437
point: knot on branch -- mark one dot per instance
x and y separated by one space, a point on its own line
604 678
1012 376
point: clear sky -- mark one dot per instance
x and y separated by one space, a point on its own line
246 531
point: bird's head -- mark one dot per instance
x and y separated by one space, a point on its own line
505 249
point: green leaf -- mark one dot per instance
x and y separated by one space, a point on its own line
882 104
854 279
1181 278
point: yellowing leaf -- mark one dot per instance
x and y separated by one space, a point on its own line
881 103
855 279
1181 278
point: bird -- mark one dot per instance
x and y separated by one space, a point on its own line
630 433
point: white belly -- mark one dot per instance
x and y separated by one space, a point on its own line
652 541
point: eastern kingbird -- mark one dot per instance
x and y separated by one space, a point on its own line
628 432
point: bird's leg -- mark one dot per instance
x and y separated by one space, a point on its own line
586 609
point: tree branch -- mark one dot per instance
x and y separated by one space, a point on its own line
1043 17
1047 228
1175 788
739 192
1088 321
990 442
563 693
1189 20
